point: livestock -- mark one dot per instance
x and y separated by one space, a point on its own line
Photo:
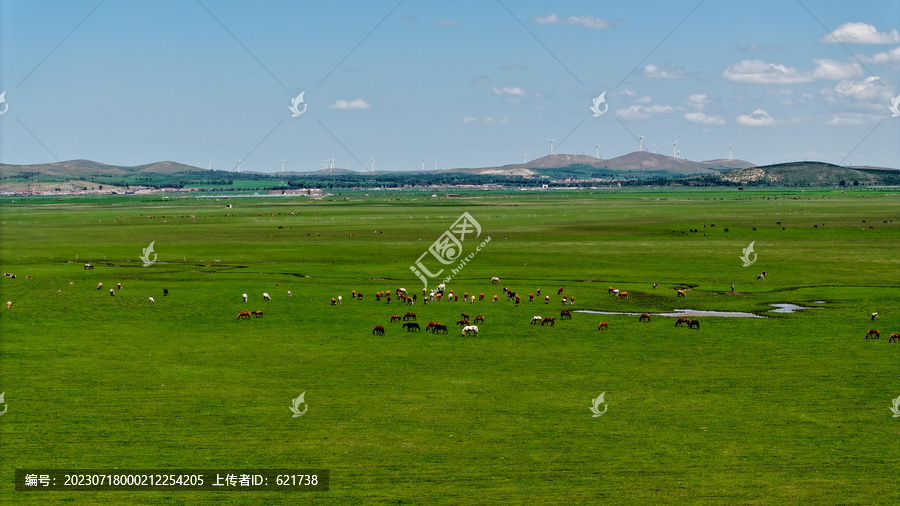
112 292
118 285
88 266
874 316
645 317
165 292
560 291
472 300
550 320
245 297
681 293
333 301
9 305
611 290
462 323
378 330
266 296
547 299
890 340
623 295
470 328
565 300
291 295
412 326
439 328
430 325
409 316
99 286
694 324
481 296
615 292
682 321
395 318
565 314
243 315
495 299
536 319
464 316
257 314
340 299
495 280
530 297
479 319
151 299
873 332
603 326
761 276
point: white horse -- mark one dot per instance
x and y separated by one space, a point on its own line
266 296
470 328
245 297
536 319
151 299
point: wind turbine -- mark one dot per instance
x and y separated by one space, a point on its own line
730 151
239 164
373 163
641 142
435 162
523 158
597 152
282 165
677 153
674 153
654 148
551 145
423 165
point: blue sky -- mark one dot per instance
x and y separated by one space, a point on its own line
470 83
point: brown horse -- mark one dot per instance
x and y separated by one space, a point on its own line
873 332
257 314
378 330
464 316
682 321
430 325
439 328
893 337
395 318
645 317
693 324
462 323
551 321
565 314
603 326
560 291
623 295
244 315
479 319
681 293
409 316
611 290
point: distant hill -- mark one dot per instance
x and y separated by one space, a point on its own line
76 169
812 174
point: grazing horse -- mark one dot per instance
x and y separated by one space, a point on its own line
873 332
611 290
257 314
694 324
565 314
411 326
550 320
644 317
99 286
409 316
470 328
462 323
623 295
395 318
559 292
244 315
151 299
893 337
874 316
464 316
88 267
530 297
547 299
479 319
266 296
481 296
245 297
430 325
682 321
333 301
439 328
536 319
681 293
761 276
603 326
495 280
378 330
112 292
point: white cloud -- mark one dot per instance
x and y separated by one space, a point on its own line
643 100
867 94
350 104
699 117
632 112
760 72
891 57
697 101
758 118
861 33
757 47
669 71
586 21
638 111
510 90
658 109
487 120
852 118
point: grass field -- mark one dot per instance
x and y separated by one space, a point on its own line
792 408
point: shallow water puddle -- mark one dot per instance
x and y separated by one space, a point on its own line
681 313
789 308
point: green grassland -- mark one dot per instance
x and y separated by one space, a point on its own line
792 408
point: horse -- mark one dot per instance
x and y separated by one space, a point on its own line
530 297
244 315
470 328
623 295
495 280
565 314
682 321
550 320
462 323
409 316
395 318
479 319
464 316
481 296
257 314
873 332
536 319
611 290
603 326
411 326
439 328
560 291
644 317
694 324
893 337
874 316
431 325
761 276
378 330
88 267
681 293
